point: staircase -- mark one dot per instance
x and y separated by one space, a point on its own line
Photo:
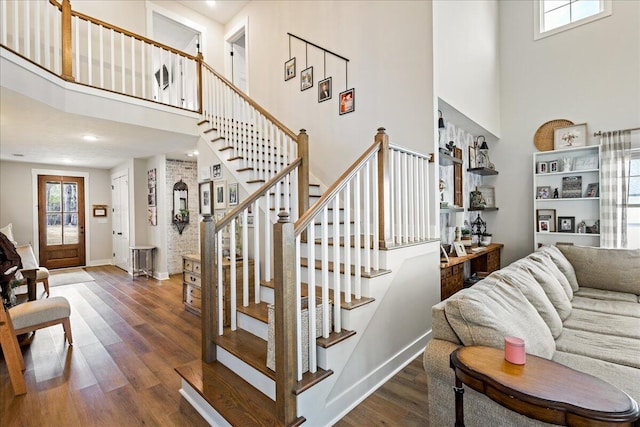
361 250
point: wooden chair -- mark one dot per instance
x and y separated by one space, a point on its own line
38 314
12 353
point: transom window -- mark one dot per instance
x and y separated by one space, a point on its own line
554 16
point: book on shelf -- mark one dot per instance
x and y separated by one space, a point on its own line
571 187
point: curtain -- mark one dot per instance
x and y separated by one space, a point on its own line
615 151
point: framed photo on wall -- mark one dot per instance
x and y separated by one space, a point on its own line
233 194
290 69
206 201
570 136
306 78
347 101
220 195
216 171
324 90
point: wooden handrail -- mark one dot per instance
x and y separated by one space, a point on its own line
428 157
303 222
257 194
253 103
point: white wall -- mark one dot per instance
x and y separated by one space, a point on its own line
389 44
466 59
590 74
16 205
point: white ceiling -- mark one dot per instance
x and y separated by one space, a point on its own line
46 135
221 12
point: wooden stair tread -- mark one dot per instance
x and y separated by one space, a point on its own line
260 311
218 138
253 351
233 398
201 122
304 290
318 266
210 130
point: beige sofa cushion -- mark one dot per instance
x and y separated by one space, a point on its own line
551 286
521 278
562 263
604 323
611 348
547 264
491 310
604 268
606 295
623 308
440 325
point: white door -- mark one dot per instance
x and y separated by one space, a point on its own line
120 220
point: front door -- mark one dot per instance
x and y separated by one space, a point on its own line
61 221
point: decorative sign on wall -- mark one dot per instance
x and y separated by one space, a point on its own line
152 213
346 102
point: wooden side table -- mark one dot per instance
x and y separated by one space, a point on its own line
541 389
136 253
452 272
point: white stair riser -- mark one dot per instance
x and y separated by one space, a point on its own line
304 252
257 379
250 324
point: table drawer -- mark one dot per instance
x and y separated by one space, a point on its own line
192 296
191 266
190 278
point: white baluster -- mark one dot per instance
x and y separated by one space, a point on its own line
16 30
357 206
346 202
113 60
101 44
311 294
336 265
232 275
375 213
89 56
298 314
123 65
219 285
367 217
267 239
27 31
37 45
3 20
76 23
47 36
245 258
256 249
325 271
133 66
143 68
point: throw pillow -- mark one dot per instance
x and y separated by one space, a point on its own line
7 230
562 263
491 310
547 264
551 286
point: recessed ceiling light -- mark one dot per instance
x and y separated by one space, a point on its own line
89 138
211 3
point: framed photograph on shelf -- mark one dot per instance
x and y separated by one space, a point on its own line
586 163
459 248
553 166
233 194
543 192
473 158
219 195
567 224
206 191
488 195
571 187
347 101
324 90
542 167
546 215
306 78
593 190
216 171
290 69
570 136
543 226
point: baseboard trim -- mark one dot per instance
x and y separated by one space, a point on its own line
99 262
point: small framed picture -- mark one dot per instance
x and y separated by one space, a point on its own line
567 224
586 163
347 101
216 171
553 166
548 215
306 78
459 248
542 167
324 90
233 194
488 195
290 69
473 162
250 221
593 190
219 194
99 210
206 190
543 192
570 136
151 196
543 226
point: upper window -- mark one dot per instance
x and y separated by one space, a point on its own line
554 16
633 211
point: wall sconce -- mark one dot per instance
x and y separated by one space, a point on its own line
440 120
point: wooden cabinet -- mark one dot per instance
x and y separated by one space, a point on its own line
191 280
452 272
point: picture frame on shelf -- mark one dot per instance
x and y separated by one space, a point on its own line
544 226
566 224
473 157
572 187
220 193
593 190
234 196
570 136
459 248
586 163
306 79
546 215
324 90
553 166
542 167
592 226
488 195
347 102
543 192
205 198
290 69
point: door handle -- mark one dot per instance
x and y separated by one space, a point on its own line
119 234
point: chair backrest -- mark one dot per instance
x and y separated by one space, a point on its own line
27 256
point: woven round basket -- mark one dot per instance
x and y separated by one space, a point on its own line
543 138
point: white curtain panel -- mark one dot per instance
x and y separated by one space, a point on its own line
614 188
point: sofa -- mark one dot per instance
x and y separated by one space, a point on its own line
575 305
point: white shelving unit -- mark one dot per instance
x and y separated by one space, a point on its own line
581 208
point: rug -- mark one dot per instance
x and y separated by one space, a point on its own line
69 277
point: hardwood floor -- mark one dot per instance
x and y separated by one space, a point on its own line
129 335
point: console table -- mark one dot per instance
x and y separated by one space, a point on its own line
541 389
452 272
136 253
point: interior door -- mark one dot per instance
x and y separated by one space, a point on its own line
120 220
61 221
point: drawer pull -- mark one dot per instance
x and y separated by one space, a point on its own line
193 279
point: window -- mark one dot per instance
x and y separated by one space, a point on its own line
554 16
633 211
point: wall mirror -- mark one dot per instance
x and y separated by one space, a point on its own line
180 213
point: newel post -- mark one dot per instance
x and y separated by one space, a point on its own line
303 173
384 189
285 317
199 59
67 53
208 271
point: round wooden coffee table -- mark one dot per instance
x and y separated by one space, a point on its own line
541 389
